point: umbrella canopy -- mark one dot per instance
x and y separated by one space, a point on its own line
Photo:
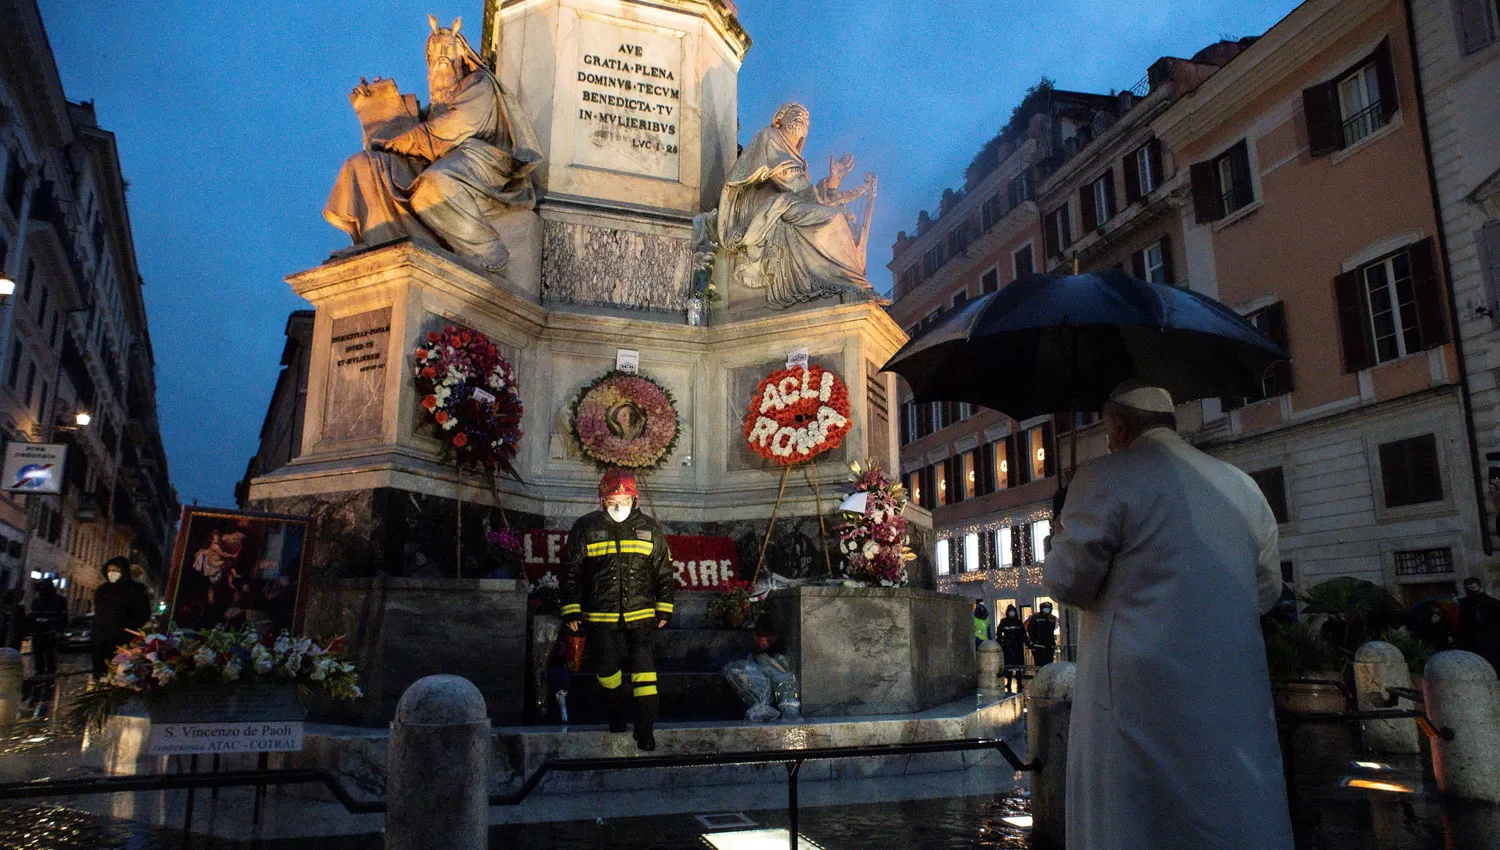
1055 343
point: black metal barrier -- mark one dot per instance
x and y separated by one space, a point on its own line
792 758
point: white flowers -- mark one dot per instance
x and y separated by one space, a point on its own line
871 549
232 670
204 657
262 659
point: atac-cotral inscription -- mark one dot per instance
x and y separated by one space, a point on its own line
359 349
629 84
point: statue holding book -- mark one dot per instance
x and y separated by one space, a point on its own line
443 177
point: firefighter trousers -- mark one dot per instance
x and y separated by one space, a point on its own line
613 645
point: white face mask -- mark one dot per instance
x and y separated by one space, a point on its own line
618 513
113 576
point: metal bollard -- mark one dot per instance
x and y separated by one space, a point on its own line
437 772
989 665
1378 666
12 675
1049 708
1463 695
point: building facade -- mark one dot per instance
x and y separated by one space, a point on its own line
76 365
1285 176
1458 47
281 432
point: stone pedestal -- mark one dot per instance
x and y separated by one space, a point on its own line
400 630
870 650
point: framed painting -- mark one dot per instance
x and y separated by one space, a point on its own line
237 567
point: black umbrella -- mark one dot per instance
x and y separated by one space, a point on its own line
1058 343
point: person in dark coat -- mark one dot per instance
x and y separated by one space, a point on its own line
121 605
12 620
1011 633
49 616
1479 622
1041 632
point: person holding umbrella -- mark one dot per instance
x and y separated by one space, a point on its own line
1170 556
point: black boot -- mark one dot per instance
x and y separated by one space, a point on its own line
645 739
646 708
617 709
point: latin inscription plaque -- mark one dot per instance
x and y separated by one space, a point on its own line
356 375
629 90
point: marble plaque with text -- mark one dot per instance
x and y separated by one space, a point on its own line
358 359
629 92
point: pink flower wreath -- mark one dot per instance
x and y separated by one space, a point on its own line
626 421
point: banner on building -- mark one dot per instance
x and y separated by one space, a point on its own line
700 563
34 467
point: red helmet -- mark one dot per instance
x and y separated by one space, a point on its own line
617 482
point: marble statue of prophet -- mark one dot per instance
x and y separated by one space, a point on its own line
793 238
447 179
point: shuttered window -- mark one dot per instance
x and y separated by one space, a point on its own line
1154 262
1222 185
989 281
1353 104
1272 484
1487 239
1059 231
1142 171
1019 190
1391 308
1002 453
970 474
1478 23
1409 471
1097 201
1022 261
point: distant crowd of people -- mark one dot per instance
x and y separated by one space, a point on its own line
1037 632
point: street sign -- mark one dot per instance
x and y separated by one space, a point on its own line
33 467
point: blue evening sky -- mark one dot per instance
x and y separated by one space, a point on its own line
232 120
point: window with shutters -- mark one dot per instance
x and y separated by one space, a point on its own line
1352 105
932 261
1392 305
1058 231
958 240
1038 452
1409 471
1152 264
1001 451
1271 322
944 567
1487 239
1098 201
989 281
1222 185
1143 171
1359 104
1019 190
1478 23
991 212
971 552
909 280
960 299
1005 551
1040 531
914 488
1272 484
971 474
1021 261
942 491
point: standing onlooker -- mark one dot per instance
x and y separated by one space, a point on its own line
49 616
1170 556
1041 632
1479 622
12 620
121 605
1011 633
981 623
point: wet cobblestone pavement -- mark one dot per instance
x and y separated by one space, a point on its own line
1331 814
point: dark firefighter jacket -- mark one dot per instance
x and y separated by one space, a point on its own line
615 572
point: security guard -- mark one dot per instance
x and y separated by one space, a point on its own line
617 579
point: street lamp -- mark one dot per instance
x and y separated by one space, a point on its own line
83 418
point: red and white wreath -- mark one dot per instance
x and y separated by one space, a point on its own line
797 414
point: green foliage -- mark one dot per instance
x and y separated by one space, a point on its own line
1357 609
1415 650
987 160
1298 650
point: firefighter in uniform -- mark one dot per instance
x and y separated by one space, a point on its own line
617 583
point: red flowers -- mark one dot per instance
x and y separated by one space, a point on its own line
430 401
797 414
441 416
471 393
460 439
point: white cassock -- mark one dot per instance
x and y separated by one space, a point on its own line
1170 555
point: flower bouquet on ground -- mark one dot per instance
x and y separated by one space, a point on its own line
732 608
158 664
874 542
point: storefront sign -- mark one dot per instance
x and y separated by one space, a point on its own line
34 467
699 563
170 739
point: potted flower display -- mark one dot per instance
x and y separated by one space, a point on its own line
219 674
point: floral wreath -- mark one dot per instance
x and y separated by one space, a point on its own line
796 414
471 393
875 541
627 421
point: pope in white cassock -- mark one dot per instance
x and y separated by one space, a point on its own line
1170 556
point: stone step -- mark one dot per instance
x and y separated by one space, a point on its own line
701 650
691 610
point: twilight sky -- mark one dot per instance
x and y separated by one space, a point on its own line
232 120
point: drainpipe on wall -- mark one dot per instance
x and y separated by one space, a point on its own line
1442 242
